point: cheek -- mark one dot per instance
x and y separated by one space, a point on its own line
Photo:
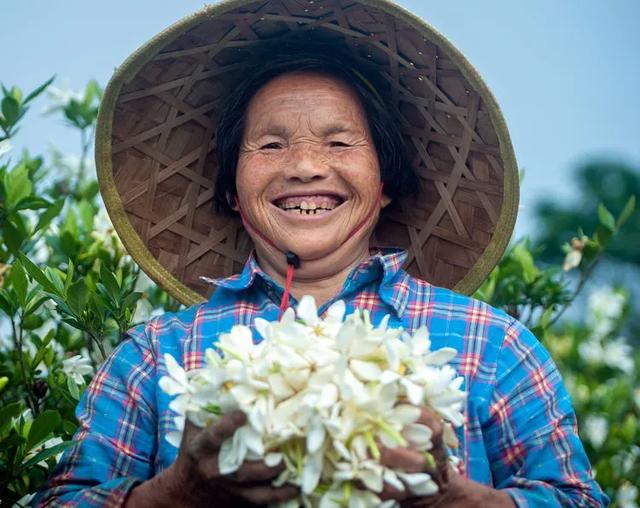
360 169
253 175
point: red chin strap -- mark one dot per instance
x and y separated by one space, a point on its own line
293 261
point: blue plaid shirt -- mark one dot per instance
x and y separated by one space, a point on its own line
520 428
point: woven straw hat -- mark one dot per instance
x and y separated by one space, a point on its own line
155 143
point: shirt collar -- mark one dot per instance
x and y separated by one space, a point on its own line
385 265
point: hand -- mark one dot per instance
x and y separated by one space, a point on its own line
194 480
454 490
413 461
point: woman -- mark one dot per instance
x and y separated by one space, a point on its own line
331 123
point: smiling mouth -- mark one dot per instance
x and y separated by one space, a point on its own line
314 204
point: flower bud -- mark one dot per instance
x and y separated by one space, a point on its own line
40 388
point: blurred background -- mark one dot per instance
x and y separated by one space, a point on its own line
566 74
567 77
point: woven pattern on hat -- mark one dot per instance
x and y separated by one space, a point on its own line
161 144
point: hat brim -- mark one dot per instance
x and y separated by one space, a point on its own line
455 232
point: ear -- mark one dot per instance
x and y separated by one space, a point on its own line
233 202
384 201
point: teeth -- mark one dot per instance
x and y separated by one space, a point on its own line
308 207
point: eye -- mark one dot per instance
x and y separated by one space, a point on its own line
274 145
338 144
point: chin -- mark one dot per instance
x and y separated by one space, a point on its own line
313 246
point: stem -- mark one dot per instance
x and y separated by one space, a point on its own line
85 145
584 276
18 342
84 141
98 343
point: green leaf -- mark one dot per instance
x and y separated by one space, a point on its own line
109 282
73 388
42 426
7 304
37 274
70 223
68 244
10 411
34 303
17 185
51 213
19 282
16 93
523 256
69 427
46 454
13 237
69 275
606 219
545 319
31 203
10 109
603 236
627 211
43 347
132 299
39 90
86 214
78 296
55 276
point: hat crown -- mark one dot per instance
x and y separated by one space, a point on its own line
155 145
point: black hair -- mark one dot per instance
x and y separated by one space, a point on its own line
396 171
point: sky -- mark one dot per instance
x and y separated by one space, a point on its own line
566 73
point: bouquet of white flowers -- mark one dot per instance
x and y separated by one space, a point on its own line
321 395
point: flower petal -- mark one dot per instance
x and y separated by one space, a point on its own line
307 310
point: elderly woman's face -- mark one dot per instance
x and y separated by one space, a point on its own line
308 171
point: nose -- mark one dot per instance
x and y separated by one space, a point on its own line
307 163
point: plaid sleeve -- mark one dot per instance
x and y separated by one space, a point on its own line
116 441
531 433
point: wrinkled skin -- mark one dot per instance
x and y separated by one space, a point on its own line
194 480
307 137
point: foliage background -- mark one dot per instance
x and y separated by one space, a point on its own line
69 292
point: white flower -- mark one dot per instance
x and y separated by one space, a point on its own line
76 367
604 303
591 351
574 256
5 146
319 395
596 429
572 260
627 495
618 354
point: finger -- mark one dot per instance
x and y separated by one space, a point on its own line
404 459
256 471
211 438
438 452
391 492
265 494
431 419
